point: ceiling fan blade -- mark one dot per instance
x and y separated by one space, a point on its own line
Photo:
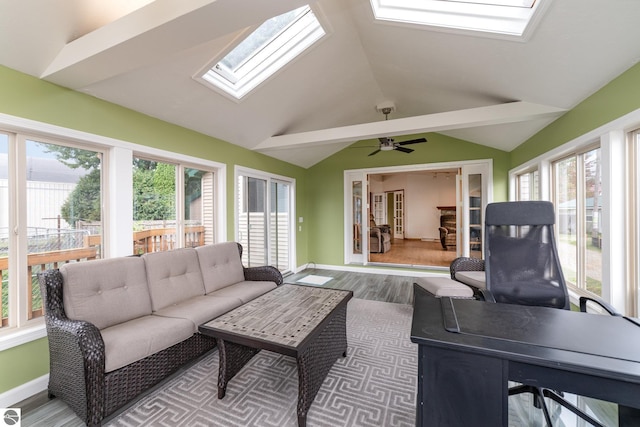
404 150
375 152
413 141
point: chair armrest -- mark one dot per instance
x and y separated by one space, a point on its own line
264 273
465 264
484 294
606 306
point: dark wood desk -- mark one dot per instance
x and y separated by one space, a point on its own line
463 374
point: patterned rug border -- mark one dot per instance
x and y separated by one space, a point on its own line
374 385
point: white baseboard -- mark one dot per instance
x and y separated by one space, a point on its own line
9 398
376 270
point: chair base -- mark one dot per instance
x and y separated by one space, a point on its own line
540 393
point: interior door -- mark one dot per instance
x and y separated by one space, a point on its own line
475 191
398 214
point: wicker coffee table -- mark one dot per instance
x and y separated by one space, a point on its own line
304 322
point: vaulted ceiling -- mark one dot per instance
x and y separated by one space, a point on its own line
488 90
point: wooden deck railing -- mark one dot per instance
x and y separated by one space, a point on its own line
153 240
40 262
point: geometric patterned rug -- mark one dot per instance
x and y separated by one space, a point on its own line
375 385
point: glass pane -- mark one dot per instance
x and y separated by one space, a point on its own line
475 215
565 174
356 217
279 225
154 206
252 220
593 218
198 208
4 229
528 186
259 38
63 210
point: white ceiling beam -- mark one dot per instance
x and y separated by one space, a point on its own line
473 117
153 33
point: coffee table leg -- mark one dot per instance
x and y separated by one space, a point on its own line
232 358
315 362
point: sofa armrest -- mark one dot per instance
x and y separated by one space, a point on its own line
465 264
76 354
264 273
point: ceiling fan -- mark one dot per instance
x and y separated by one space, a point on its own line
388 144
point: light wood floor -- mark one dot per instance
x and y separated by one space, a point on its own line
415 252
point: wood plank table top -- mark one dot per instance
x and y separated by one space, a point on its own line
286 316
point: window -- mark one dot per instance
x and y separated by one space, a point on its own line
265 218
507 18
528 186
265 51
158 224
578 203
58 197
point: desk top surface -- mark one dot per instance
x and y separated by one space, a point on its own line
545 336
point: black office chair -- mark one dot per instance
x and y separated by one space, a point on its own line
522 267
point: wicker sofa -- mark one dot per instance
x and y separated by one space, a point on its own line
118 326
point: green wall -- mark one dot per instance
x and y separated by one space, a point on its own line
28 97
619 97
319 189
326 183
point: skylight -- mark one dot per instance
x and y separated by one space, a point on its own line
502 18
265 51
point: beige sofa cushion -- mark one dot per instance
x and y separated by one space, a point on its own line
106 292
136 339
245 290
445 287
174 276
200 309
220 264
477 279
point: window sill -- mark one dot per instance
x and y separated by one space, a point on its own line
17 337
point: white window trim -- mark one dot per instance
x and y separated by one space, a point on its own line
495 21
118 157
255 173
615 172
225 82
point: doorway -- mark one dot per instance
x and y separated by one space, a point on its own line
411 203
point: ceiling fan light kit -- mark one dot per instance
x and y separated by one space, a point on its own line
386 142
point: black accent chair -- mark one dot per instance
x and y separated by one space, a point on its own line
522 267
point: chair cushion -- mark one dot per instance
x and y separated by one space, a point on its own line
220 264
106 292
136 339
174 276
477 279
445 287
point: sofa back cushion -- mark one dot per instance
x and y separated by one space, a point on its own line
106 292
220 264
174 276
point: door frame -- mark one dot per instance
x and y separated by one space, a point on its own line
353 175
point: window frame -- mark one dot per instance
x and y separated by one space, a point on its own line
269 178
266 61
475 16
616 177
117 184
